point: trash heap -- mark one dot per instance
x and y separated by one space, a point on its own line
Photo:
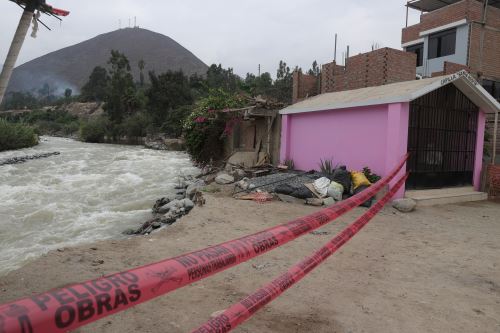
312 188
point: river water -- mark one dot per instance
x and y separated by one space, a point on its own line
89 192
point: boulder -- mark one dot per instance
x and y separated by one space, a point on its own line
194 187
405 205
224 179
171 205
187 204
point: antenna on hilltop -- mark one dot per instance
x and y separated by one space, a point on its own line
135 21
119 23
129 22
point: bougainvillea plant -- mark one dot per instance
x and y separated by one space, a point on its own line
206 127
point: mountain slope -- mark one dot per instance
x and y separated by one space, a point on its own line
70 67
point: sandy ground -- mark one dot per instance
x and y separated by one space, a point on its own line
434 270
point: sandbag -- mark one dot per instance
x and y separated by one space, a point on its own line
359 179
367 203
343 177
335 190
321 186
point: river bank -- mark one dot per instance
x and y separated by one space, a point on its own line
433 270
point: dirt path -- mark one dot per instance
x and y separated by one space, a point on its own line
434 270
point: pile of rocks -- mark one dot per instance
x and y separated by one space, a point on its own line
169 209
22 159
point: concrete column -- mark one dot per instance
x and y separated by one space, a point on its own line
397 140
285 138
15 48
478 159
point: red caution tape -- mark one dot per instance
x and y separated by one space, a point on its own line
243 310
70 307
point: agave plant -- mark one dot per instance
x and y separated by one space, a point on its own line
326 166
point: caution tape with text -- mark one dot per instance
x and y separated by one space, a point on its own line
65 309
241 311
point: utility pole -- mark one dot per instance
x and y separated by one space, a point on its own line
15 48
30 6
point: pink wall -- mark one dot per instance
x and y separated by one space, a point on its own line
354 137
373 136
478 162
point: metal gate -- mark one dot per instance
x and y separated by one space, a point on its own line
441 139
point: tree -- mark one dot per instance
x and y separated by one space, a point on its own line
264 85
283 84
315 70
120 101
68 92
168 91
220 78
19 100
141 64
96 87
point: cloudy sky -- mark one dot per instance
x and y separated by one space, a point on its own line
238 34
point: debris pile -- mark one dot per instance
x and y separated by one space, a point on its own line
310 188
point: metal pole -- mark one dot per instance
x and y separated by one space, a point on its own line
15 48
407 16
335 54
495 135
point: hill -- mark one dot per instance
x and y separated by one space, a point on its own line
70 67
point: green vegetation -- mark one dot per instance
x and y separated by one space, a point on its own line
372 177
170 103
16 136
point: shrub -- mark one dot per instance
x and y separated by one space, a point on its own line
16 136
93 130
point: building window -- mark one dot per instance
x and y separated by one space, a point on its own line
493 87
442 43
418 49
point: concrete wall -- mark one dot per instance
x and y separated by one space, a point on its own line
437 64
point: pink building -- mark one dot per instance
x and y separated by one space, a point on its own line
440 121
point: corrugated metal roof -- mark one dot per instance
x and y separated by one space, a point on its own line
396 93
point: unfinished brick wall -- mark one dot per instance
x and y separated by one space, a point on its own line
304 86
484 57
370 69
466 9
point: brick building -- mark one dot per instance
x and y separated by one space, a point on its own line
454 35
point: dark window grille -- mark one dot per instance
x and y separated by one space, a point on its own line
442 43
493 87
442 139
418 49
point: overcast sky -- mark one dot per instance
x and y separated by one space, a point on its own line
238 34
